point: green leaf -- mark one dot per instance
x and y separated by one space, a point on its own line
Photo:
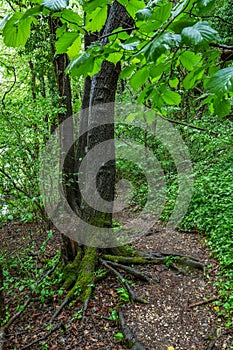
171 97
180 7
161 15
114 57
222 107
96 19
81 65
205 6
74 49
200 34
55 5
221 82
139 78
127 71
160 45
71 17
174 82
65 41
36 10
17 30
192 78
143 14
91 5
132 6
119 335
189 59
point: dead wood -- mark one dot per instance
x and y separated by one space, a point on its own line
203 302
130 339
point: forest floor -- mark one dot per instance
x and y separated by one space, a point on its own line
168 321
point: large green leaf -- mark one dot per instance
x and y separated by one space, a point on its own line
200 34
161 14
143 14
74 49
193 78
222 107
139 78
96 19
189 59
160 45
17 30
91 5
65 41
81 65
132 6
127 71
36 10
205 6
171 97
72 17
221 82
55 5
153 20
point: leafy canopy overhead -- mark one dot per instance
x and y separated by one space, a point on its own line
166 54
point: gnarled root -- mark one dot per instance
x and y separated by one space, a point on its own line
130 339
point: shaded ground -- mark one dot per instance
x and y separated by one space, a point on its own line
166 321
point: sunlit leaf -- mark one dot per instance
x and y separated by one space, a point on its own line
17 30
139 78
171 97
65 41
189 59
96 19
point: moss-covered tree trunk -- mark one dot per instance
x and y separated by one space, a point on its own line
97 106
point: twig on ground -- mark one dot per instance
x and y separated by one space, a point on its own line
52 330
203 302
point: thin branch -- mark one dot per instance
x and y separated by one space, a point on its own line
11 87
14 184
117 32
203 302
186 124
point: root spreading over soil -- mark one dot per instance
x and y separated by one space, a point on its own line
176 304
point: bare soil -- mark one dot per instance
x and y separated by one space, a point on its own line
166 321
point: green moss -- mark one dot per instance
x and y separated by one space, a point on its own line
85 279
70 271
126 260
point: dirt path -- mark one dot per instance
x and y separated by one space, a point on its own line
167 321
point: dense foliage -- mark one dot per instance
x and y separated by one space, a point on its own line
170 63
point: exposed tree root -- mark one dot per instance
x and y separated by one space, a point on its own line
3 329
132 294
79 276
52 330
133 260
136 273
130 339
